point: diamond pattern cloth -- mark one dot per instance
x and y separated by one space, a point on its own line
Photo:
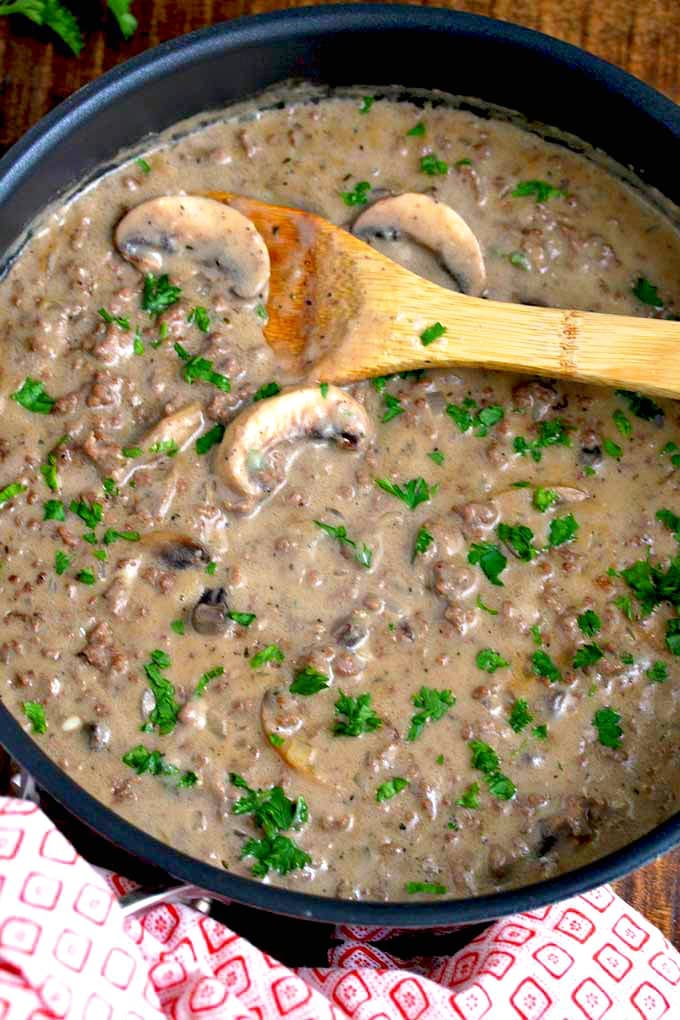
67 953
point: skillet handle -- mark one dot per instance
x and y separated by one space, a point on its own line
143 898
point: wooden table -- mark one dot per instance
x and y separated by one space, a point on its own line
640 35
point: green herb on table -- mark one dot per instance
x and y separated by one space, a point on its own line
166 709
562 530
646 293
606 722
362 553
490 560
356 716
412 493
434 332
390 788
520 716
308 681
490 660
433 705
486 760
541 191
209 439
358 195
10 491
433 166
33 396
519 538
35 713
270 389
159 294
422 543
469 798
197 369
544 667
198 316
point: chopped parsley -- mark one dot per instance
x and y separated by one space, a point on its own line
243 619
54 510
673 636
490 560
589 623
587 655
540 732
323 387
10 491
308 681
209 675
275 853
33 396
642 407
159 294
657 672
143 165
138 344
433 166
646 293
622 423
670 519
490 660
366 104
651 585
417 131
90 513
550 433
624 603
166 710
437 456
520 716
199 317
270 389
469 798
562 530
612 449
61 562
541 191
358 195
536 634
211 568
271 653
430 888
209 439
432 333
485 608
481 421
166 447
85 577
114 320
131 452
486 760
142 761
111 535
356 716
393 407
272 812
35 713
390 789
543 499
412 493
275 740
433 706
197 369
422 543
177 626
544 666
519 538
110 487
362 553
606 722
520 261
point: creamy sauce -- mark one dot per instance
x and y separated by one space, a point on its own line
556 669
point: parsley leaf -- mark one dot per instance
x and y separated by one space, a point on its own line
541 191
437 456
431 888
127 22
653 585
587 655
670 519
433 166
359 717
199 317
481 422
308 681
159 294
393 407
209 675
612 449
85 577
485 608
209 439
323 387
33 396
114 320
358 195
606 722
490 559
562 529
417 131
412 493
622 423
673 636
657 672
270 389
544 666
275 853
54 510
589 623
520 716
647 293
489 660
111 535
49 472
50 13
518 537
35 712
540 732
197 369
146 169
61 562
469 798
543 499
166 447
366 104
10 491
422 543
433 706
486 760
271 653
362 553
432 333
390 789
642 407
90 513
550 433
166 710
177 626
242 619
142 761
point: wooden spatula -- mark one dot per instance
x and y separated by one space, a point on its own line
341 311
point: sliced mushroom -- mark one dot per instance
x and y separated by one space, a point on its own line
302 412
433 225
186 234
177 551
209 615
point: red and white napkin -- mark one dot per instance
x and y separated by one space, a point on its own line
66 952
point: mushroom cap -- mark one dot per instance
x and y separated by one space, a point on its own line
182 235
296 413
433 225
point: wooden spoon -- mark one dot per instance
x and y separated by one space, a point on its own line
340 311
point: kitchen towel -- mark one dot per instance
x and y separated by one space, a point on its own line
66 952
